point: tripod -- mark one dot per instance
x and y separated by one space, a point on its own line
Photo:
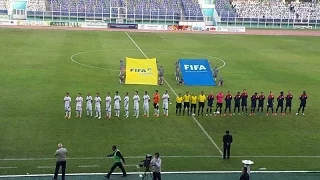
147 174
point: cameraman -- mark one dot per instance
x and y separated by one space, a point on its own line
156 164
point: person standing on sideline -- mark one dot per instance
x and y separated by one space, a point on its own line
244 175
156 164
118 158
61 155
227 140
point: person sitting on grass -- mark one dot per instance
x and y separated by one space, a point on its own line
220 82
181 82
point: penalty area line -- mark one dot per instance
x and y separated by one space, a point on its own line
203 130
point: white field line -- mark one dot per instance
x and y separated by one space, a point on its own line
8 167
138 173
88 166
204 131
45 167
141 157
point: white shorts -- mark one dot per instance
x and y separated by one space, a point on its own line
108 107
117 106
126 107
136 106
97 108
89 107
67 108
146 106
165 105
78 108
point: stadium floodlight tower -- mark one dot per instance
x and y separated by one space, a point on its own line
117 12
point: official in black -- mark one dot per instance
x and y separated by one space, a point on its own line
227 140
244 175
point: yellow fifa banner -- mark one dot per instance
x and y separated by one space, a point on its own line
141 71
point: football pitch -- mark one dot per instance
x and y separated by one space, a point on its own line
39 66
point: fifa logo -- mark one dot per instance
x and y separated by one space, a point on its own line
142 71
194 67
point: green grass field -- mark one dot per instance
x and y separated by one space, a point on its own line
36 72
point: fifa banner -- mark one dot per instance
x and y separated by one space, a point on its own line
196 72
141 71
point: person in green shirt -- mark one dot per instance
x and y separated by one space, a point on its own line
118 158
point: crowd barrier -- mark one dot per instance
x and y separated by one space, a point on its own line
103 25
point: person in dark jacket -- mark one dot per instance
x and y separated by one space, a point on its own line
227 140
244 175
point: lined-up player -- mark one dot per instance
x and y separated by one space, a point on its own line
244 101
89 105
193 108
210 100
303 102
254 99
97 106
220 99
136 100
156 101
79 101
228 100
108 105
67 107
146 100
179 100
237 99
165 101
289 98
280 100
117 100
270 103
261 103
126 104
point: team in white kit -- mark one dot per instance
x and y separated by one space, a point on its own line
117 101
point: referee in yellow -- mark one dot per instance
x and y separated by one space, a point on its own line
186 103
202 100
178 104
193 108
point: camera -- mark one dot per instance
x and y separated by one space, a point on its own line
146 162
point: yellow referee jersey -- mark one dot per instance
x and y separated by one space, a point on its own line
179 99
186 98
194 99
202 98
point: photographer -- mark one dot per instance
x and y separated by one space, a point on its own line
156 164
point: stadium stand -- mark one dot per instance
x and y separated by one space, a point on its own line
36 5
268 10
3 4
192 9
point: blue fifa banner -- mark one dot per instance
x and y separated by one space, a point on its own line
196 72
122 26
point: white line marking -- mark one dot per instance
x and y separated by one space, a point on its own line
141 157
45 167
88 166
95 67
204 131
8 167
181 172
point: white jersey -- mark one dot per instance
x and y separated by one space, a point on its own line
79 101
146 99
126 102
165 98
136 99
108 103
67 101
97 101
89 100
117 100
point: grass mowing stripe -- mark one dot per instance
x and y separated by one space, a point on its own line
203 130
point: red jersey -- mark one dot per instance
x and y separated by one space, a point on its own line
220 97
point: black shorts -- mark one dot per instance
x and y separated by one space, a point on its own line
270 106
244 104
302 105
201 104
193 106
260 105
155 106
219 105
178 105
210 104
288 104
253 105
280 105
228 105
186 104
237 105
